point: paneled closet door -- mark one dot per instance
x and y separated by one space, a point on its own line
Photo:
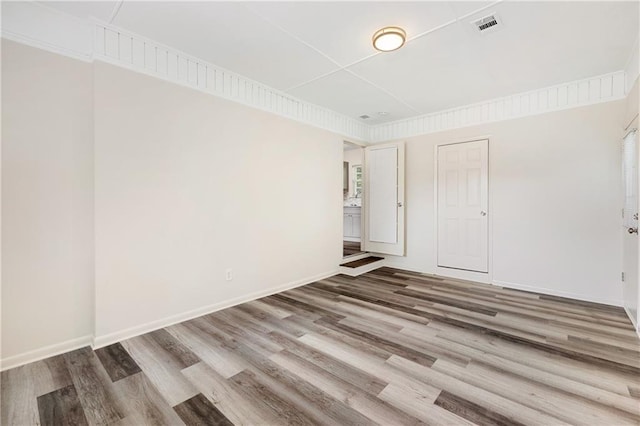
463 195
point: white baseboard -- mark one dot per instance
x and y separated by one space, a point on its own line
100 341
461 274
108 339
541 290
553 292
633 321
45 352
417 269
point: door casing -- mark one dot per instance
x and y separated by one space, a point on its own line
482 277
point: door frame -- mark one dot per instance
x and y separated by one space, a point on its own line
401 210
482 277
635 319
362 146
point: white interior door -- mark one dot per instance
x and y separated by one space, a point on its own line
384 199
630 224
463 184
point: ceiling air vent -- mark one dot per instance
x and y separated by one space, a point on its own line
488 24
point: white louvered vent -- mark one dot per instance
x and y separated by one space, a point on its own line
489 23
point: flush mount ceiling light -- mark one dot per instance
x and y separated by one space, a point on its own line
389 38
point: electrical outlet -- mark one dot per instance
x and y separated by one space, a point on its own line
228 274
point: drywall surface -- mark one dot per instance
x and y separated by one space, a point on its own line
554 197
47 202
187 186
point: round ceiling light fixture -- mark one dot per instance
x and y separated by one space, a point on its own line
389 39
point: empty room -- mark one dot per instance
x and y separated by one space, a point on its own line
319 213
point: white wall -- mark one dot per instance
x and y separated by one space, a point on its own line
188 185
47 204
554 188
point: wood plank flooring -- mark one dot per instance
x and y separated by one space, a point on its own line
350 247
389 347
362 262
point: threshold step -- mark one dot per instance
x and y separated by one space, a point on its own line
361 262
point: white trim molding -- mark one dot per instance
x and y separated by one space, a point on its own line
40 26
100 341
45 352
588 91
553 292
129 50
108 339
633 321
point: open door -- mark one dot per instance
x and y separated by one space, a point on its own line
384 199
630 225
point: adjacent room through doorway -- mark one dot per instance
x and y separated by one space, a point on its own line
352 193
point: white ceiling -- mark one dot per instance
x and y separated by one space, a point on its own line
321 51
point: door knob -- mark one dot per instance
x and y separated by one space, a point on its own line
632 230
483 213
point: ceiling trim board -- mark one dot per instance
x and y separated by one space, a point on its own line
376 53
40 26
382 89
43 27
115 11
49 47
469 14
588 91
292 35
120 47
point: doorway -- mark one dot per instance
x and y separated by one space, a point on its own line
352 195
630 225
462 200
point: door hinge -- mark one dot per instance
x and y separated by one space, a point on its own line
623 213
623 277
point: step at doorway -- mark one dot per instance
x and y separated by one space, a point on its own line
361 262
361 265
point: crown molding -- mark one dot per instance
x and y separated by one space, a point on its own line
40 26
604 88
127 49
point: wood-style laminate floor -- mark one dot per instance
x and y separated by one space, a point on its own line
389 347
350 248
361 262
